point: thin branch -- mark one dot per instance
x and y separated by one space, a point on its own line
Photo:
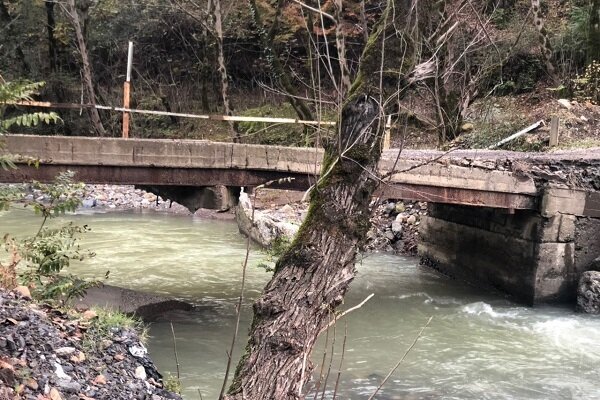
401 360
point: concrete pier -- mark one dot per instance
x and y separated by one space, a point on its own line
536 256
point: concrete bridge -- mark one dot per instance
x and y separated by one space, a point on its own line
528 224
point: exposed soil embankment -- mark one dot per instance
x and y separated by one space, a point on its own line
48 354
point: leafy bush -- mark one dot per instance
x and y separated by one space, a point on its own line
11 92
45 256
587 85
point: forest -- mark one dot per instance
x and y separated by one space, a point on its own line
489 65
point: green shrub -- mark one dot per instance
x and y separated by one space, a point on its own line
587 85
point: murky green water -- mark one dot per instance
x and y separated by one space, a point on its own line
478 346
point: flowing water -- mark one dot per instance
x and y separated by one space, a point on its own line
478 345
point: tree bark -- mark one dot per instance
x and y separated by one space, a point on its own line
594 33
87 69
313 275
51 25
538 21
218 26
279 74
7 21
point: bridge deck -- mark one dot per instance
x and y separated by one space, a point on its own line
463 177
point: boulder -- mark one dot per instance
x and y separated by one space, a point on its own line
588 293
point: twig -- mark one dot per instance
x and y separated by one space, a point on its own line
402 359
318 385
339 375
343 314
243 285
238 309
175 351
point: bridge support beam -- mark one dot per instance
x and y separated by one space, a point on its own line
536 256
196 197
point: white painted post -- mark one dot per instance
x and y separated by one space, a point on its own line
127 91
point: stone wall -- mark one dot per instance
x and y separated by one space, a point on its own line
535 256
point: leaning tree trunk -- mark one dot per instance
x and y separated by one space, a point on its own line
313 275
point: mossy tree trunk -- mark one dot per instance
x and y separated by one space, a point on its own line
313 275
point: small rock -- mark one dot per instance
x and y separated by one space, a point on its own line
583 118
119 357
466 127
89 314
63 351
60 372
23 291
80 357
389 208
565 103
55 394
397 228
32 384
400 207
588 293
68 386
411 219
389 235
100 380
140 373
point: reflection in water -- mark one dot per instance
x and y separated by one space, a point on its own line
478 346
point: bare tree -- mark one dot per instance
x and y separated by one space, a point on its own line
88 80
218 29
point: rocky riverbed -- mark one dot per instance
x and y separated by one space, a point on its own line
394 223
48 354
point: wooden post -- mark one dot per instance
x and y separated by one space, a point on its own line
554 131
127 91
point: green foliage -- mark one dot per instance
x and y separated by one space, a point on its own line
45 256
11 92
106 323
587 85
572 42
278 247
172 383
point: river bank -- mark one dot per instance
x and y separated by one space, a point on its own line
58 354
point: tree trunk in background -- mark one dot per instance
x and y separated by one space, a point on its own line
538 21
50 26
594 33
88 84
279 74
7 21
235 133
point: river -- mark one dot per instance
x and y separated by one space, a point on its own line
479 345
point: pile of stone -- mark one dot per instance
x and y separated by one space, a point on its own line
394 224
43 356
113 197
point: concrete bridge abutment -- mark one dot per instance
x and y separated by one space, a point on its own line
536 256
